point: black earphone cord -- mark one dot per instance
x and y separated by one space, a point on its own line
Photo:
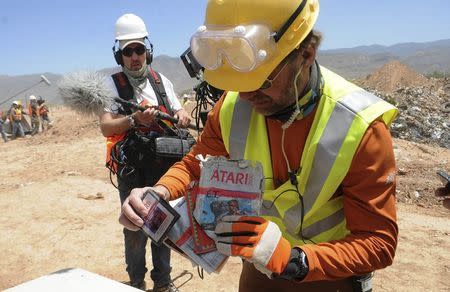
296 190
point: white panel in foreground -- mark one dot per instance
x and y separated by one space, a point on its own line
73 279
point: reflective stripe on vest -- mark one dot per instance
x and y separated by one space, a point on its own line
240 126
338 127
331 142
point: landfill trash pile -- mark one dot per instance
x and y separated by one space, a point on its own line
424 104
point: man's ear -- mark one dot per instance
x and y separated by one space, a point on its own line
309 54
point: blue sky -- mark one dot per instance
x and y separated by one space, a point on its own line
60 36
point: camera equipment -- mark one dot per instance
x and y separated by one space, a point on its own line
205 94
192 66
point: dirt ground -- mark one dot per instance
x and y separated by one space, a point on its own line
59 210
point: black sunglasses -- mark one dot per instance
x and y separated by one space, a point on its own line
139 50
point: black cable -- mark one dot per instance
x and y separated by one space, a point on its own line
302 215
276 198
302 218
200 272
205 95
111 180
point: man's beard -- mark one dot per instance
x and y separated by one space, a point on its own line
274 107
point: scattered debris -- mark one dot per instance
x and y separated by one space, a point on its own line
97 196
420 102
401 171
73 173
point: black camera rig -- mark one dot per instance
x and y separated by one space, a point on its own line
206 95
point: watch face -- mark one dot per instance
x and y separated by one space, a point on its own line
297 268
132 122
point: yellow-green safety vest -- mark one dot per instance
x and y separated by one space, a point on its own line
343 115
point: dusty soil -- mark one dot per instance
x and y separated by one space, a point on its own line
59 210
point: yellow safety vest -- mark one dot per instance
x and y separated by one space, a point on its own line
343 115
16 114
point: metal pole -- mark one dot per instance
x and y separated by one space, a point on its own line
43 79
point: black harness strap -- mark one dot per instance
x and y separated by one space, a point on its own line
126 92
160 91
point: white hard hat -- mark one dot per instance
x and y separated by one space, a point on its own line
130 26
32 97
15 102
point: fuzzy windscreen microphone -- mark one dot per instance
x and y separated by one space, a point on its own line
86 92
43 78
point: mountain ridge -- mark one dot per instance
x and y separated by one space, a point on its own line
351 63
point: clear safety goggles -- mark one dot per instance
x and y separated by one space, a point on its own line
245 47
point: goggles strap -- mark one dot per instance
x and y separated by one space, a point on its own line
288 23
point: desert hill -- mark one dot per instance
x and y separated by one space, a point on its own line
392 76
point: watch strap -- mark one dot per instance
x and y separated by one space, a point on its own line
297 268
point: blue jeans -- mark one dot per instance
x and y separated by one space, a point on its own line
136 241
3 133
17 129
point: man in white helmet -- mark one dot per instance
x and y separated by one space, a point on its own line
33 112
328 216
138 83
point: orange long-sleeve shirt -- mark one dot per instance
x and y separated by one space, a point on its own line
368 190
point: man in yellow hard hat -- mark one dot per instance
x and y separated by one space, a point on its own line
328 217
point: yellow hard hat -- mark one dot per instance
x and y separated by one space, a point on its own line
290 21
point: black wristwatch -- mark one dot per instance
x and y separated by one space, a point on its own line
297 268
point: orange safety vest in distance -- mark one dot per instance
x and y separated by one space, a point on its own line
36 110
42 110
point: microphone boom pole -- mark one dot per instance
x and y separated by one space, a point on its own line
43 79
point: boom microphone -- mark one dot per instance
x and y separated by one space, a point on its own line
86 92
43 78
